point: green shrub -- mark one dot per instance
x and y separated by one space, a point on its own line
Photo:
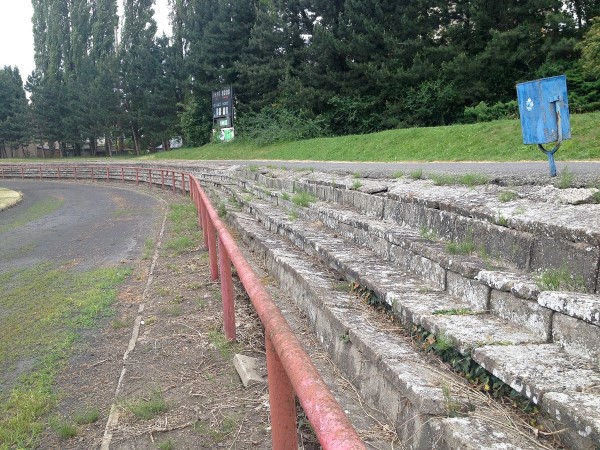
271 125
485 113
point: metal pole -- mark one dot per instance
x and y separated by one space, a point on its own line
212 250
227 292
204 216
282 403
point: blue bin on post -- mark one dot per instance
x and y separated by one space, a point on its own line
544 113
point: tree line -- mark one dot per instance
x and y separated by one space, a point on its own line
299 68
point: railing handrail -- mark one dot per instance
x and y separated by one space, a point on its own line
289 367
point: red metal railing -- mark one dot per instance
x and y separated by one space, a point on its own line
289 368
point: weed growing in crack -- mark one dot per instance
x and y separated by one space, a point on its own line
560 279
465 247
501 220
416 174
303 199
356 185
566 179
507 196
454 312
427 234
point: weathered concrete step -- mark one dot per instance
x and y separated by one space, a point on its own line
414 302
565 387
393 286
387 370
535 236
508 295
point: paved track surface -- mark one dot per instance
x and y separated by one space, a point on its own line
95 226
586 170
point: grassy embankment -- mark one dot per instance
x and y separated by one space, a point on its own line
491 141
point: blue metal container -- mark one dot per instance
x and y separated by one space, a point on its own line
544 108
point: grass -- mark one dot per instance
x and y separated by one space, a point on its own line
40 322
566 178
356 185
148 249
507 196
303 199
468 179
166 445
454 312
183 217
429 235
217 432
560 280
416 174
148 407
62 427
224 346
35 211
465 247
178 245
86 416
488 141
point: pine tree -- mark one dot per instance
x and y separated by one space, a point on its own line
14 125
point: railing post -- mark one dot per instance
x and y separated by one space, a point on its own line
137 176
107 174
227 292
150 178
40 172
204 217
183 184
75 173
173 181
162 179
282 402
22 174
212 249
58 171
122 175
92 174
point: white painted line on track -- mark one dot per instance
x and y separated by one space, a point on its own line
113 416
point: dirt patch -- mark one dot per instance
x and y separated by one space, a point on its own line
178 388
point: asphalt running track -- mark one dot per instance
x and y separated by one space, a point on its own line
95 226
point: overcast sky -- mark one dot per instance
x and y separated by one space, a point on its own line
16 38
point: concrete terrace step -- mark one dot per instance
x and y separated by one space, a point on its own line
490 339
401 382
506 292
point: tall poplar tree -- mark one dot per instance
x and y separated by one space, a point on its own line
137 40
